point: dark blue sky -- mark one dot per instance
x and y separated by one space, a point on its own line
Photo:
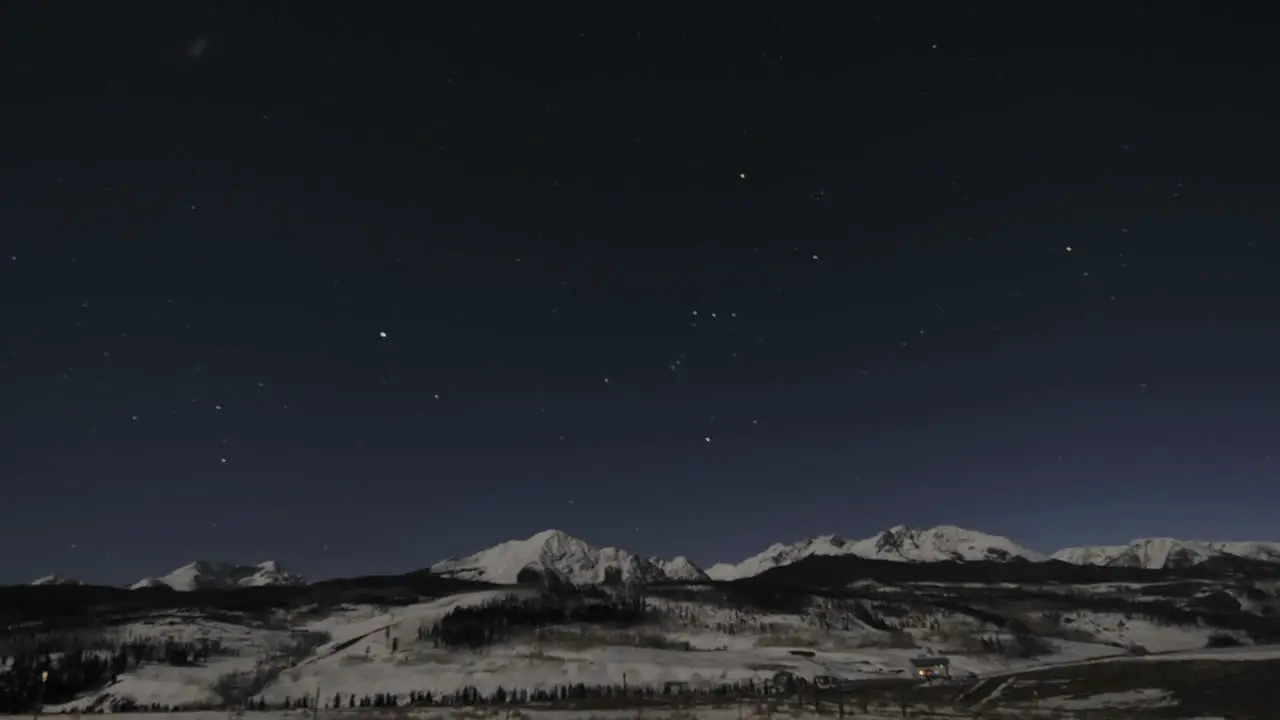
919 263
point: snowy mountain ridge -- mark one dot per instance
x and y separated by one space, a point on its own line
54 580
944 543
1157 553
558 554
207 575
572 560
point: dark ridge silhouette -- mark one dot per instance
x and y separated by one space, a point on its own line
70 605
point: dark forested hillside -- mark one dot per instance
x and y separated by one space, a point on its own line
79 605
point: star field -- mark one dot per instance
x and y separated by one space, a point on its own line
358 289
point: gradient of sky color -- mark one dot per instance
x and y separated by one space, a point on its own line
683 283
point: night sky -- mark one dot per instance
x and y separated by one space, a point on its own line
359 286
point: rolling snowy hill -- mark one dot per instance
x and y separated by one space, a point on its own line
568 558
721 641
206 575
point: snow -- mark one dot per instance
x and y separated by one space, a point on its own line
168 685
54 580
948 543
205 575
571 559
364 621
719 712
1156 553
1095 555
1116 629
1146 699
900 543
680 568
372 649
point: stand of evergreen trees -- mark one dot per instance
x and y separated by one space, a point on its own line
74 669
498 620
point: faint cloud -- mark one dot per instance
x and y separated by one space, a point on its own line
197 47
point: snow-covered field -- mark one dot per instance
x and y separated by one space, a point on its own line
370 650
1117 706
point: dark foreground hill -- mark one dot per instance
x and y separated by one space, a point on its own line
76 605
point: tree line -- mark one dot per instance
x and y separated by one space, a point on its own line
498 620
36 675
620 693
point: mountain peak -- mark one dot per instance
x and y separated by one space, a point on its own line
217 575
557 553
54 580
942 543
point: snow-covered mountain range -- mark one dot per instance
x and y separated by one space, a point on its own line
206 575
899 543
574 560
570 559
1154 553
